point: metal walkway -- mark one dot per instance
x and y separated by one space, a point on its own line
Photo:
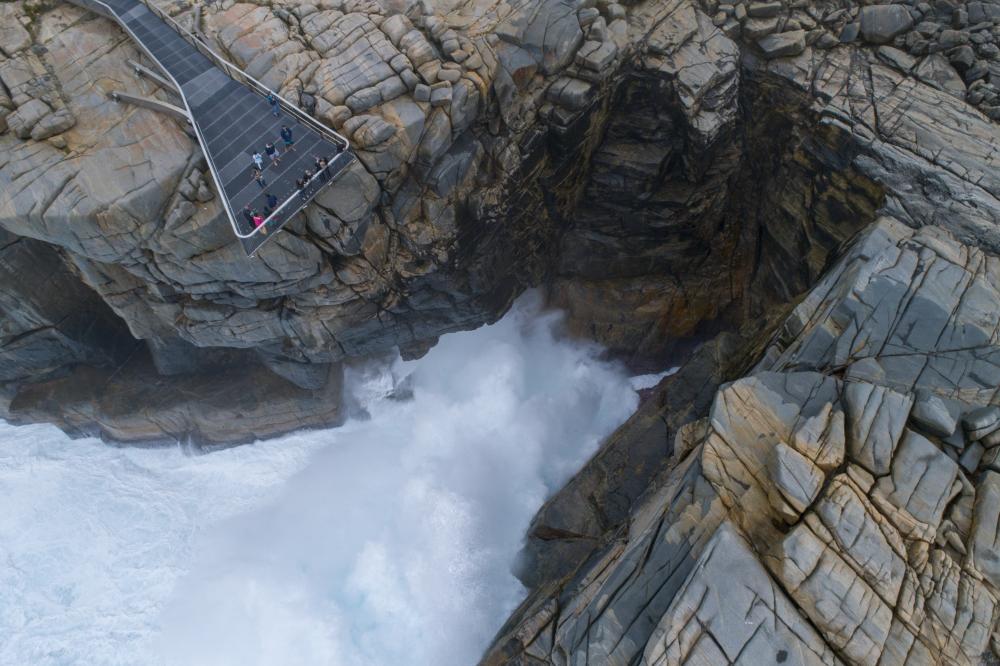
232 119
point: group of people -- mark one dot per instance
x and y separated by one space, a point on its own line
273 155
320 163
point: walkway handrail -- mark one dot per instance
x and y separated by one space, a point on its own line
235 72
329 164
105 10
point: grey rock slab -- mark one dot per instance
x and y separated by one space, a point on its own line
985 541
845 609
921 480
796 479
864 536
13 36
765 9
971 456
441 96
783 44
981 422
935 70
901 60
876 417
880 23
549 31
933 414
52 124
754 621
26 116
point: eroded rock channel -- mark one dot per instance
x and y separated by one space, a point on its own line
798 199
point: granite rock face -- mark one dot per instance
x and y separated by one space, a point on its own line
813 488
810 514
619 155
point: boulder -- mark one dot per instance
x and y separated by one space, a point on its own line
783 44
935 70
23 120
933 414
52 124
881 23
981 422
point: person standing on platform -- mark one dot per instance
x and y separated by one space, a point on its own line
275 106
324 173
286 136
258 160
272 154
272 203
259 177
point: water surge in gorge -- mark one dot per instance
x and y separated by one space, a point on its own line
389 540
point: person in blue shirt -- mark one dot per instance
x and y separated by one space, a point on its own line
275 106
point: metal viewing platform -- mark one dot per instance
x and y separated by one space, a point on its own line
232 119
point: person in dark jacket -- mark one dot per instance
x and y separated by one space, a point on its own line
275 106
286 136
272 203
272 154
324 173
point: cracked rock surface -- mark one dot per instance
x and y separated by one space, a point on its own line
813 187
810 515
819 485
659 167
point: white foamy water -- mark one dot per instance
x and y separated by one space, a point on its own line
386 541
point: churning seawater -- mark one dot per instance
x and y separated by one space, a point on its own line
389 540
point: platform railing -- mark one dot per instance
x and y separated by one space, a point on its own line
238 74
235 73
297 197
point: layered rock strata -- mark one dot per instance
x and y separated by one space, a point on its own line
836 504
599 148
663 168
808 491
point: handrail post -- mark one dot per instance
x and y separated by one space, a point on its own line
233 72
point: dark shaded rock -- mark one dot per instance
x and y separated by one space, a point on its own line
49 320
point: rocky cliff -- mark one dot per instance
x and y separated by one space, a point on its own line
632 160
662 179
804 194
818 485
